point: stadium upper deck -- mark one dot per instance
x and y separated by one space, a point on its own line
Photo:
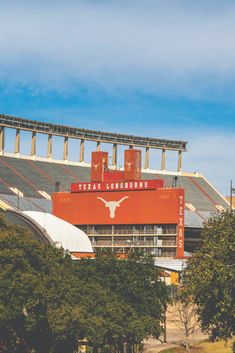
28 184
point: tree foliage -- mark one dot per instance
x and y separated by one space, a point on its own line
37 307
210 276
50 304
138 298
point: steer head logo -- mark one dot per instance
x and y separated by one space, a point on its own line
129 164
112 205
96 166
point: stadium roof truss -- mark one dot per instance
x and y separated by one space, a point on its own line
91 135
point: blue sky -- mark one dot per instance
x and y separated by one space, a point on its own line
154 68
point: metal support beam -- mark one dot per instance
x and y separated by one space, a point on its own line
146 161
66 148
179 161
33 145
2 138
49 146
163 162
114 155
17 142
98 146
82 148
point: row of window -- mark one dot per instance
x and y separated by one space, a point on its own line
138 241
129 229
158 252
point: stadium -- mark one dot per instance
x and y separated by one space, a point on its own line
30 184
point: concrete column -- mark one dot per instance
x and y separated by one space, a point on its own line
163 162
146 161
179 161
98 146
66 148
114 155
82 148
2 139
33 145
49 146
17 142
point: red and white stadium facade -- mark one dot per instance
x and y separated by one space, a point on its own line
119 210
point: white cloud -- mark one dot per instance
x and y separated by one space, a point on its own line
144 45
209 153
212 155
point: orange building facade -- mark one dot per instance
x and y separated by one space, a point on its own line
120 211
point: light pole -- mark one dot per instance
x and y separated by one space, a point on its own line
164 323
232 191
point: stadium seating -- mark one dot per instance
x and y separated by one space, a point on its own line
30 176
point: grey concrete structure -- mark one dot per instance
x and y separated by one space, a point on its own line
81 159
68 132
49 146
163 161
146 161
66 148
114 155
17 142
2 140
33 145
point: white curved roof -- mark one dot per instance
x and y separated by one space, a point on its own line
168 263
61 232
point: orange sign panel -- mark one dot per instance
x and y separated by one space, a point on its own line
123 207
180 235
99 163
132 164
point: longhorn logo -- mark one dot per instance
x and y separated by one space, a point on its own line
96 166
112 205
129 164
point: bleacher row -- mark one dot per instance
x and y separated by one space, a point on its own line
27 204
198 191
30 177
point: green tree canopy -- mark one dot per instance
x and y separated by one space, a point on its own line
50 304
37 305
210 276
136 291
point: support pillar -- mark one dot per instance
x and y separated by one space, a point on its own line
163 162
66 148
179 161
82 148
2 139
49 146
146 161
98 146
114 155
33 145
17 142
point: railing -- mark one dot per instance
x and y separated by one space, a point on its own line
126 232
132 244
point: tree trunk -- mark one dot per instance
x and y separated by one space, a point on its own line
124 347
187 347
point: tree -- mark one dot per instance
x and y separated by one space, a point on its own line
50 304
38 310
138 297
184 314
210 276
